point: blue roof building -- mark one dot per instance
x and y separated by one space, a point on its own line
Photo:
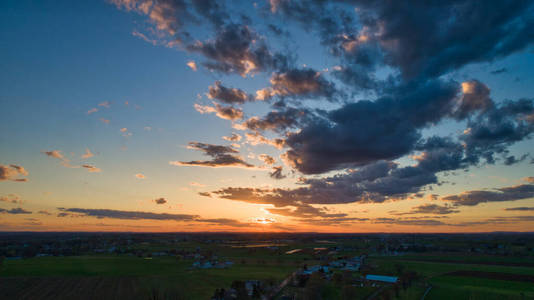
381 278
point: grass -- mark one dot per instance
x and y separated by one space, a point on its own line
430 269
470 259
162 272
474 285
456 287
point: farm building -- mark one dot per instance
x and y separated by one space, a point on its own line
381 278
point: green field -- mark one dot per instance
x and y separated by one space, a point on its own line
445 286
107 272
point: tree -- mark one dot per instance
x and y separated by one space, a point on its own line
314 287
256 293
241 290
337 278
349 292
399 268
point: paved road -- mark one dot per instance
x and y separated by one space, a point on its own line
426 292
280 287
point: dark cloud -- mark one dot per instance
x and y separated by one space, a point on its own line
512 193
519 208
13 173
497 221
223 112
12 198
257 138
374 183
212 10
492 132
15 211
277 30
277 173
415 45
160 201
232 138
305 211
140 215
410 222
462 32
279 120
127 215
168 16
222 156
512 160
433 209
267 159
227 95
367 131
299 83
224 222
499 71
397 35
91 168
238 49
475 97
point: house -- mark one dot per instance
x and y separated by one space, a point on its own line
313 269
250 284
350 266
382 278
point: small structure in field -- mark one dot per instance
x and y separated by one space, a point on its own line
382 278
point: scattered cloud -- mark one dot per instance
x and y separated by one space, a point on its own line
13 173
519 208
105 104
267 159
11 198
222 156
193 65
233 138
54 154
511 193
160 201
499 71
15 211
227 95
432 209
126 215
141 215
277 173
87 154
91 168
298 83
223 112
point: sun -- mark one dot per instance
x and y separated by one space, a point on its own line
263 220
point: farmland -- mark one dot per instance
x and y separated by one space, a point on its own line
181 266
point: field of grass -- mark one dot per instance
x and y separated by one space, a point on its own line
471 259
446 286
165 273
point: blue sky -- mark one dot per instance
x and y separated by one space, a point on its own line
62 60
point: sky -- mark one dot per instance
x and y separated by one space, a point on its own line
266 116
